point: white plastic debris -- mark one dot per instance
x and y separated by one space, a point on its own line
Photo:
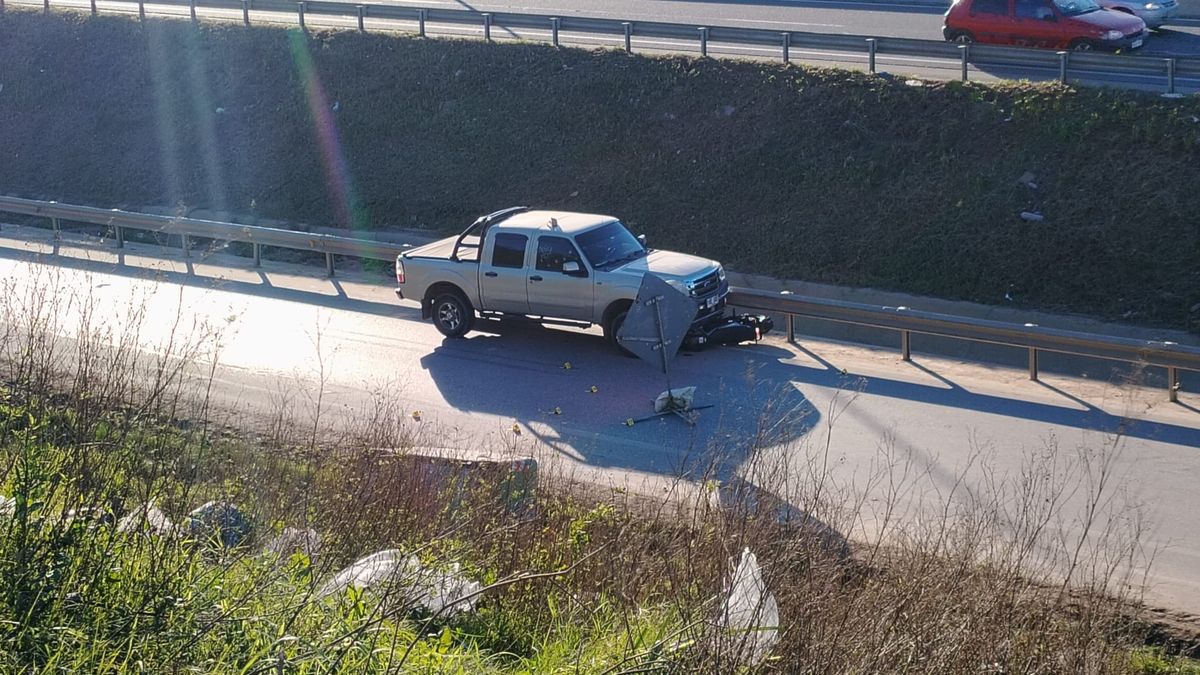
1032 216
675 399
402 581
750 613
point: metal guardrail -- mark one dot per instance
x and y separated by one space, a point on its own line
1107 68
1174 357
1170 355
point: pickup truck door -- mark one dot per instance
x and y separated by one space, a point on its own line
502 272
553 292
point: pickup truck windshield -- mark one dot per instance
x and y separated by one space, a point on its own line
609 246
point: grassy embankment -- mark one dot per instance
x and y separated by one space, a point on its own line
91 428
820 175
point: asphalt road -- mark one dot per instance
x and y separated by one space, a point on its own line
910 19
856 417
921 21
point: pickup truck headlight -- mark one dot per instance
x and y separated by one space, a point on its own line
721 272
1112 35
679 286
1151 6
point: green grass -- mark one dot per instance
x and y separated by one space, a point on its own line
820 175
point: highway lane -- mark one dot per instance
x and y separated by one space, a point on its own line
919 20
838 411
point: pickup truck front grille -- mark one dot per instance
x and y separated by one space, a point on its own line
705 285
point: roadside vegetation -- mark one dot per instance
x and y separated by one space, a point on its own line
814 174
1009 576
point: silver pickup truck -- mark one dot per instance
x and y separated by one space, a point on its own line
555 267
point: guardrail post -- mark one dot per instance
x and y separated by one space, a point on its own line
362 15
141 10
54 226
257 254
554 30
487 27
1172 384
46 6
905 345
787 47
1033 364
1171 75
703 41
965 50
872 47
791 328
628 26
187 246
421 22
301 7
192 9
245 12
1063 59
120 236
94 8
329 264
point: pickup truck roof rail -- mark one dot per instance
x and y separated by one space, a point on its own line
482 224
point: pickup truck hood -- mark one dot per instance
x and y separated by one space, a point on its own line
669 265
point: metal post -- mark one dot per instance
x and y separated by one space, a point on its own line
554 31
628 26
141 10
246 12
46 6
362 14
329 264
1063 58
1033 364
93 7
421 22
703 41
257 254
1172 384
872 46
54 226
791 328
787 47
192 9
965 50
120 236
487 27
187 246
905 345
302 6
1171 75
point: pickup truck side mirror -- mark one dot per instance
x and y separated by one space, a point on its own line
572 269
642 240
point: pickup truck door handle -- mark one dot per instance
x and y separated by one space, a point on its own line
535 278
490 274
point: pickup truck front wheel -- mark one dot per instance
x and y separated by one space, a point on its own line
612 327
453 315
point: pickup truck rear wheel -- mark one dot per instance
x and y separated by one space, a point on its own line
612 327
453 315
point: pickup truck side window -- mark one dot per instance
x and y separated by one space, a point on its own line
553 252
509 250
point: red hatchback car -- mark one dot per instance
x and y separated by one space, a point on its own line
1051 24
